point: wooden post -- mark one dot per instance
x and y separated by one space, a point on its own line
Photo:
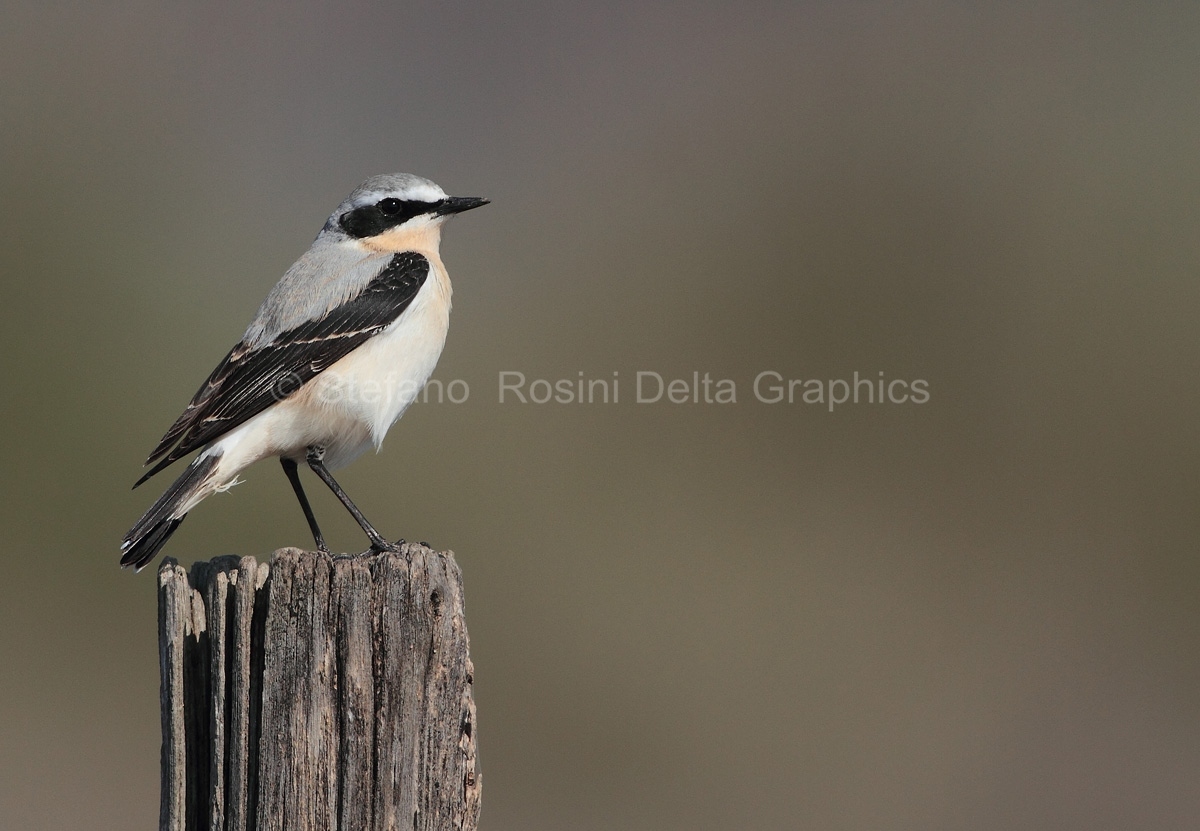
319 692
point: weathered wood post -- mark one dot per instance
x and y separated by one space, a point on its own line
317 693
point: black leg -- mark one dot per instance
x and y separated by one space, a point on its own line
293 475
315 455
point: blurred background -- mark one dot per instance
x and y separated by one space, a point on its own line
977 612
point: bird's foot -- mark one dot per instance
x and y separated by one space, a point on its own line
381 545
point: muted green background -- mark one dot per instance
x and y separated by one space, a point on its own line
976 613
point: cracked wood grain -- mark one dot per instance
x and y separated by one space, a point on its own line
319 692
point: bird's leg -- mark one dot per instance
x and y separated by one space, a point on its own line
314 459
293 475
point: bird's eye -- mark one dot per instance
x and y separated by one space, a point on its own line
390 206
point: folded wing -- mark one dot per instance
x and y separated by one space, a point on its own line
250 379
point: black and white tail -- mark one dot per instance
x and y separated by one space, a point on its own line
156 526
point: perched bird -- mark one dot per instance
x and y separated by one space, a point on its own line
338 350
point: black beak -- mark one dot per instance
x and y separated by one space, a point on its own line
458 204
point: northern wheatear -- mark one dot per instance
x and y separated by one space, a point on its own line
338 350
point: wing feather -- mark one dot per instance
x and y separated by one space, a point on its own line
250 379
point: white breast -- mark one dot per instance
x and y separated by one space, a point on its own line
350 406
377 382
372 386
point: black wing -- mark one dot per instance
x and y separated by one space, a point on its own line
250 380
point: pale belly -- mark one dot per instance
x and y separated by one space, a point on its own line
349 407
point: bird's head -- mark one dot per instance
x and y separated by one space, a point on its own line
390 211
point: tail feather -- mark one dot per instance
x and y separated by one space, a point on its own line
150 533
146 547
